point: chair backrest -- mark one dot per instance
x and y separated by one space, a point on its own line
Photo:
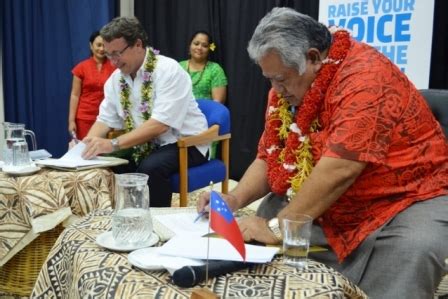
217 169
216 114
437 100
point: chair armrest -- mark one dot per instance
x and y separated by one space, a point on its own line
207 136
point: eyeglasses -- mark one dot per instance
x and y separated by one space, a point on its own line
116 54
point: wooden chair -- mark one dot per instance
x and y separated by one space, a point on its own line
215 170
114 133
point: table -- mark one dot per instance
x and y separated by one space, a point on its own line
30 205
78 268
32 210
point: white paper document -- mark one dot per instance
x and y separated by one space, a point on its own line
150 259
73 159
183 223
195 247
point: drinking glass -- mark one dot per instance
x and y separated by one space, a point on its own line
20 154
131 221
296 240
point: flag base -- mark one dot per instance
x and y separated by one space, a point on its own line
203 293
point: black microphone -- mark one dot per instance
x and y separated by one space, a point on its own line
189 276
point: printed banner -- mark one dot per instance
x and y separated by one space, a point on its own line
400 29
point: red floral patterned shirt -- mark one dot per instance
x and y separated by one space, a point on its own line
376 115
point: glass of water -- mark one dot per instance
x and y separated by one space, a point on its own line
296 240
20 154
131 221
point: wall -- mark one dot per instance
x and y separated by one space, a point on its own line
126 8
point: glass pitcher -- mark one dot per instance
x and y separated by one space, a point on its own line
3 140
12 134
131 221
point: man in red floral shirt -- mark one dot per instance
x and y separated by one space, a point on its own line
352 143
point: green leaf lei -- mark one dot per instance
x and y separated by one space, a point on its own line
145 107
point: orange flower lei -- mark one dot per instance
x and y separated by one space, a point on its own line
289 156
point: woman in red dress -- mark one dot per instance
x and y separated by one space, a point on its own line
87 93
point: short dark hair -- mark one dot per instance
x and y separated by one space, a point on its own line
92 38
128 28
94 35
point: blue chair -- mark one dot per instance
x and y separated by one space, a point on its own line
215 170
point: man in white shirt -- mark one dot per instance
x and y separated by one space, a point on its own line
150 96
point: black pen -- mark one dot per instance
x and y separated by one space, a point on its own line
204 211
200 214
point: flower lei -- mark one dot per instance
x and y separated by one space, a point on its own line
289 157
200 75
145 107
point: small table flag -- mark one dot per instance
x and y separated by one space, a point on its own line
224 224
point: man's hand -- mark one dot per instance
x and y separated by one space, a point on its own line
254 228
204 200
96 146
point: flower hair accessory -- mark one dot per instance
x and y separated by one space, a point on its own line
288 146
212 47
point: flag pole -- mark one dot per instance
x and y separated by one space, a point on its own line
205 292
224 224
208 240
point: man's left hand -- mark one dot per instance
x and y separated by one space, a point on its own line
254 228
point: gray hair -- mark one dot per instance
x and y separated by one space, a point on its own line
289 33
128 28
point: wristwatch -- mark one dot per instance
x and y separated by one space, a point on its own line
115 144
275 228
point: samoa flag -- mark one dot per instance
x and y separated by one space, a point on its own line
224 224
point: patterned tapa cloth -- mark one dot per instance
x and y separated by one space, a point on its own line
30 205
78 268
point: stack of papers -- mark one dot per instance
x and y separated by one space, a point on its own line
182 224
73 160
39 154
195 247
186 238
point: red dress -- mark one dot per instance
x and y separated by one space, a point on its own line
376 115
92 83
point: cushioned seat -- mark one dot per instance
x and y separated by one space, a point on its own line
438 101
212 171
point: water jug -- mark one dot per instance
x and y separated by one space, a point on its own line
14 133
131 221
2 140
